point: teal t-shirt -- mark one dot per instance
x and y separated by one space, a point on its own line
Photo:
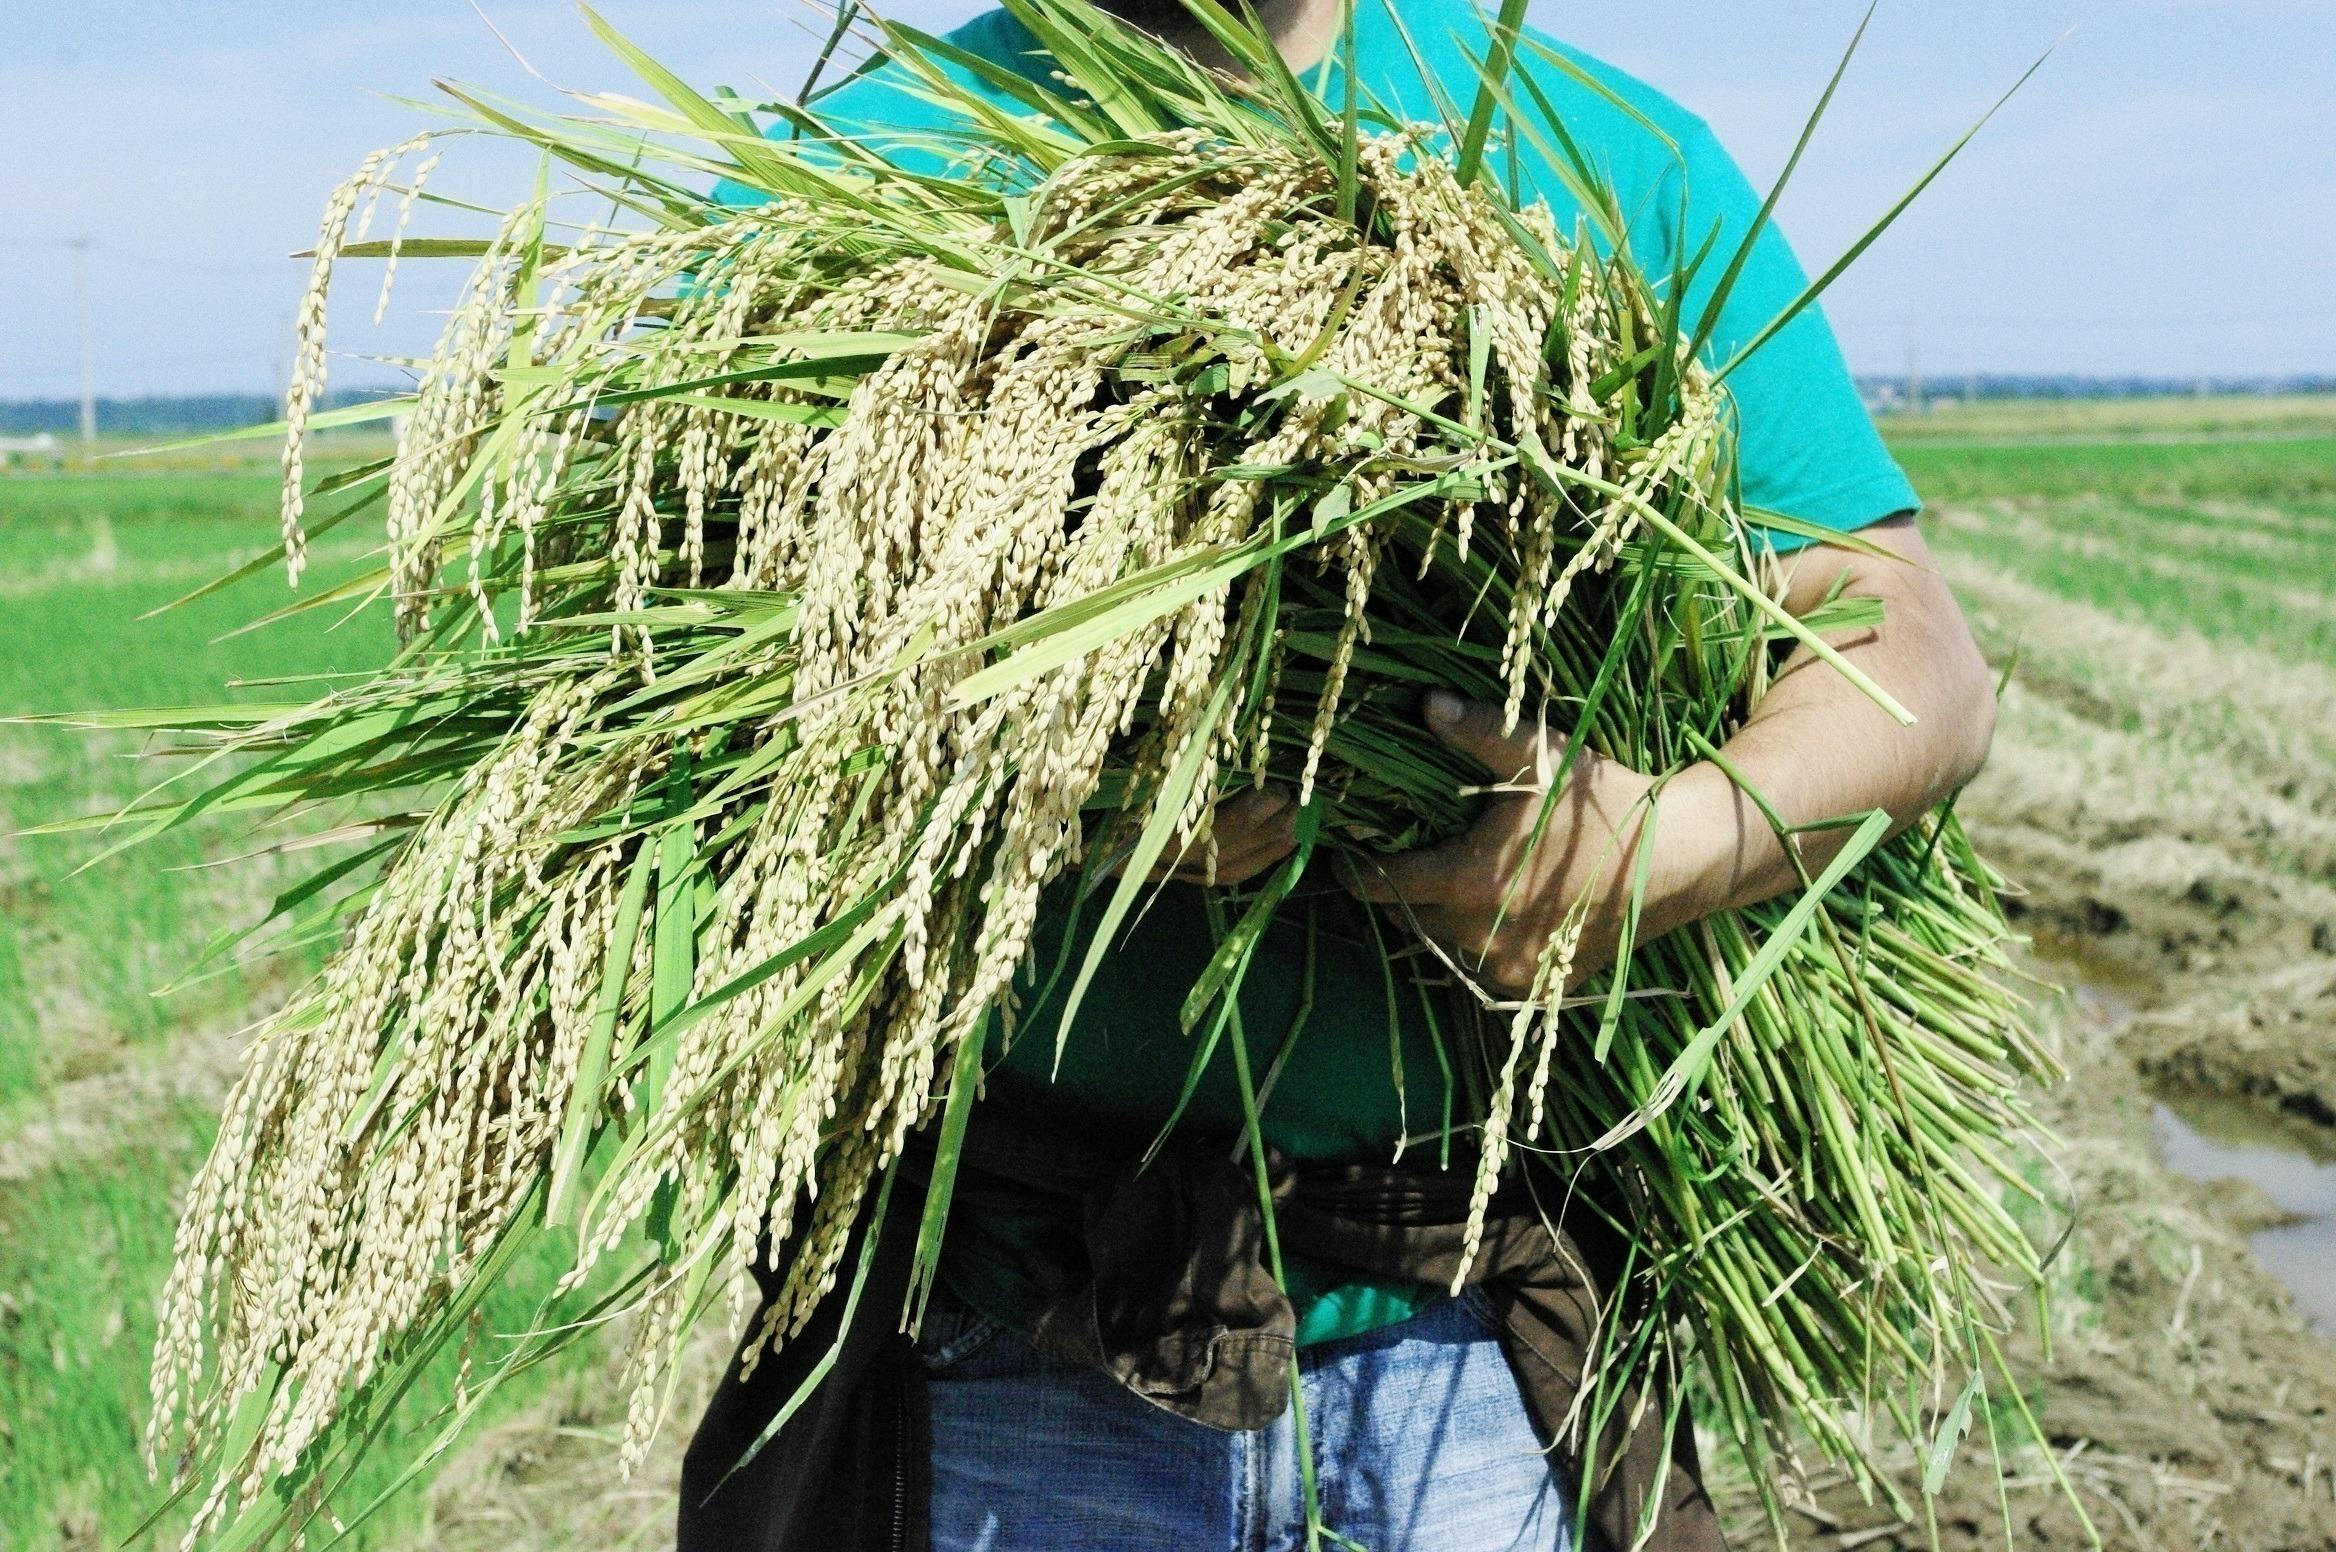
1369 1062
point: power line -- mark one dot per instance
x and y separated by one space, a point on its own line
238 268
167 263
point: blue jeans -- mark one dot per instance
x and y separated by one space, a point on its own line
1421 1443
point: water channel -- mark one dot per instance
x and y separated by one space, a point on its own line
2218 1137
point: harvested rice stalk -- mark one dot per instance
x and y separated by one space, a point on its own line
790 599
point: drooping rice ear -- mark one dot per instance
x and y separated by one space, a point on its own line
886 553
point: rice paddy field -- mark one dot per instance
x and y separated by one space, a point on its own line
2160 578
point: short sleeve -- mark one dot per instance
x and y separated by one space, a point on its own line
877 110
1807 448
881 109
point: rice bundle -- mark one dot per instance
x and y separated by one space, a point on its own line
791 598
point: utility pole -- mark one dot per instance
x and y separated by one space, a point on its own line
1913 371
81 247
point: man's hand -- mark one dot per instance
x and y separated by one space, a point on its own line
1252 830
1493 896
1815 747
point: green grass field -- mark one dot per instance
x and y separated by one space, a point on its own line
2226 531
107 1089
2206 523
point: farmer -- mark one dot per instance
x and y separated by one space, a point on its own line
1105 1364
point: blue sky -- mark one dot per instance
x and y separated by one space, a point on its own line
2162 199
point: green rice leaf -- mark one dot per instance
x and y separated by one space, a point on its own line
584 1095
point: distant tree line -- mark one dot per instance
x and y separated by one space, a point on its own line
1995 385
161 415
194 414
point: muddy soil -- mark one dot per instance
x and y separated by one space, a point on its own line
2186 1403
2168 812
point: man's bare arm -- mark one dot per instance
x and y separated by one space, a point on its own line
1815 748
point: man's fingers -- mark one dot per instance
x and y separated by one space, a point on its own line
1234 870
1253 829
1428 875
1474 728
1233 867
1259 814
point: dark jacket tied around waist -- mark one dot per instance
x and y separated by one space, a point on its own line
1169 1295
